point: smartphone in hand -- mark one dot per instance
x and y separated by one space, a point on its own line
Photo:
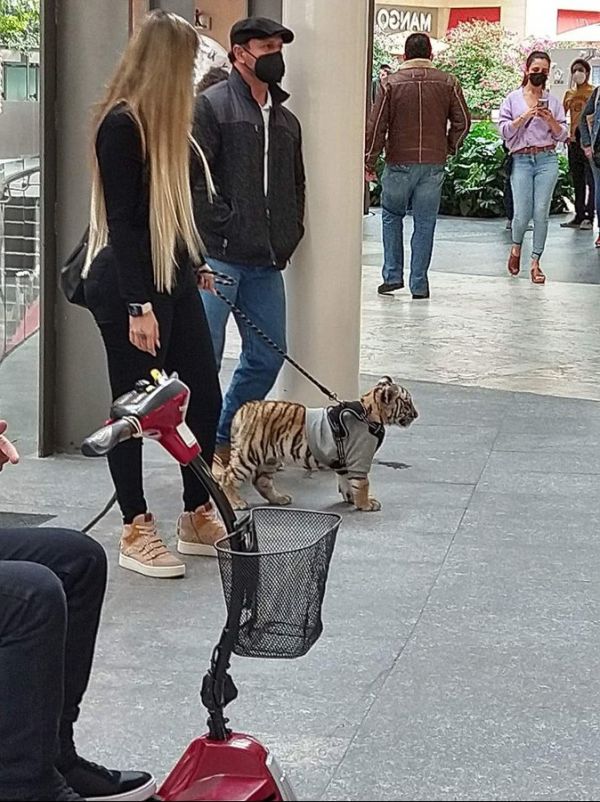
543 103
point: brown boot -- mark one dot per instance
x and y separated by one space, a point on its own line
198 531
143 551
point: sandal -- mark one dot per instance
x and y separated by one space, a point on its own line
537 277
514 263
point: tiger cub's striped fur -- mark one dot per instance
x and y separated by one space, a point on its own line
267 434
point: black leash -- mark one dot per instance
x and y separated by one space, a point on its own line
222 279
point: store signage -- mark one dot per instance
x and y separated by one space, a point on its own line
399 19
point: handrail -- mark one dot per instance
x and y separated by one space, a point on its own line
19 258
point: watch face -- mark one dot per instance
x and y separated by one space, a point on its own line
135 310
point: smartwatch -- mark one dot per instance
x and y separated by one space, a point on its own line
137 310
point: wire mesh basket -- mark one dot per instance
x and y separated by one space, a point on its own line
274 572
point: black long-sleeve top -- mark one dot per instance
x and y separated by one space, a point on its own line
126 196
124 174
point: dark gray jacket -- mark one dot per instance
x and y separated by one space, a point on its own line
241 225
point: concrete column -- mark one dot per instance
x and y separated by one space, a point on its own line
326 77
84 43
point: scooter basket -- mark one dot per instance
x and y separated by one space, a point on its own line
274 570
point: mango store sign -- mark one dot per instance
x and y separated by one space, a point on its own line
399 19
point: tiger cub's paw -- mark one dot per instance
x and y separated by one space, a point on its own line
238 503
280 500
372 505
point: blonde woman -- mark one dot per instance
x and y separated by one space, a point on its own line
142 280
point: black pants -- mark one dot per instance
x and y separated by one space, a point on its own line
52 584
186 347
583 181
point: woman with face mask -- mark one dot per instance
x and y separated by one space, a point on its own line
574 102
531 123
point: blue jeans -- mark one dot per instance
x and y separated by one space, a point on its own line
533 179
259 292
596 174
419 185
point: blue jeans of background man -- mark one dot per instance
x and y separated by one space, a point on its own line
259 292
533 179
419 185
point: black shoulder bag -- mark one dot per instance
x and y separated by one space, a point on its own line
71 280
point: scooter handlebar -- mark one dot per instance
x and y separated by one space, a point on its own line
100 443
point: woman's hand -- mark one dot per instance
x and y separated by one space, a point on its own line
144 332
8 453
587 149
549 118
206 280
524 118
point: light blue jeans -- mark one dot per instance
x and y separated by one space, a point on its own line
533 179
420 186
259 292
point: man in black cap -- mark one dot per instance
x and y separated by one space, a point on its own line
254 221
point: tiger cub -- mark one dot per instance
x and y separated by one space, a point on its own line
345 437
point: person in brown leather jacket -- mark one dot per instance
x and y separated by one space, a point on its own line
420 118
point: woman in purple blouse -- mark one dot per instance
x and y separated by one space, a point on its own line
531 123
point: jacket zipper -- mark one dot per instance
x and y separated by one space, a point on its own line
267 210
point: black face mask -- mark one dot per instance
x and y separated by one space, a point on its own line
270 68
538 78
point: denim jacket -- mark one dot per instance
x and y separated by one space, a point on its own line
590 121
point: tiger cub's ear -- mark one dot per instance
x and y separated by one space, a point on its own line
389 394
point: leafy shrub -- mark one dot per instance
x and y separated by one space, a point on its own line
488 62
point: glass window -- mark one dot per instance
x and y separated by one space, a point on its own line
20 81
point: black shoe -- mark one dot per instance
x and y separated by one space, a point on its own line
385 289
421 297
95 782
574 223
56 791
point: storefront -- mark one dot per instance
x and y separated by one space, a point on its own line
575 20
435 19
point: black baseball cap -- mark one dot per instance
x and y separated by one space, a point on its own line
258 28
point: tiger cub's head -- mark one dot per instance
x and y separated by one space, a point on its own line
390 404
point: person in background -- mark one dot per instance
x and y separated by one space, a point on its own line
143 272
532 122
211 77
420 118
52 584
254 221
574 102
382 76
589 128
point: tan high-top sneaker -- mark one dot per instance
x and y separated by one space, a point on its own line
143 551
198 531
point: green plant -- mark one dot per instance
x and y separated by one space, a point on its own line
20 24
382 54
474 183
488 62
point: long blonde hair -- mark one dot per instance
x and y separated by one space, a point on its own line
154 81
